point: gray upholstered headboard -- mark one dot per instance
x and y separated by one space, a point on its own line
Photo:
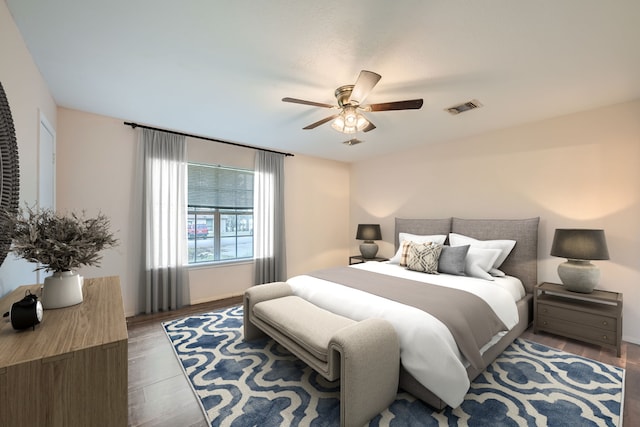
522 262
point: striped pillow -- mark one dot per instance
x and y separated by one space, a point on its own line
406 244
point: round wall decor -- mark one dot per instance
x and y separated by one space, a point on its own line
9 172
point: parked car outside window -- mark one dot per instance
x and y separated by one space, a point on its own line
198 231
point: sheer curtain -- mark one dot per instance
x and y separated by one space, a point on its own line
164 158
268 223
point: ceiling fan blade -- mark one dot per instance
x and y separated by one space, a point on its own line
302 101
320 122
365 83
411 104
369 127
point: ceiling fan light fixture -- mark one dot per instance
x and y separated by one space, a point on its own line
349 121
350 116
350 104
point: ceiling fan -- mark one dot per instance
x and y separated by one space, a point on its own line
350 103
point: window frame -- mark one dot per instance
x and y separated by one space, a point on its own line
214 220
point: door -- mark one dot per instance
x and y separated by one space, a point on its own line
47 170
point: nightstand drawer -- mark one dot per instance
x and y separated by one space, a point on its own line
579 317
576 330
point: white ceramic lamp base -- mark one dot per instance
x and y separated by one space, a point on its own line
579 276
62 289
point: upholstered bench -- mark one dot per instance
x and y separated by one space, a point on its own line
365 355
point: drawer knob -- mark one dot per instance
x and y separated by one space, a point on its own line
544 310
544 322
604 337
605 323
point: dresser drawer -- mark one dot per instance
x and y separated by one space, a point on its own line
579 317
576 330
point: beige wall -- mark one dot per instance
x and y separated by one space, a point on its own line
96 173
317 214
28 97
97 158
581 170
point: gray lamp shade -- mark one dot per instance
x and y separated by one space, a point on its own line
369 232
579 244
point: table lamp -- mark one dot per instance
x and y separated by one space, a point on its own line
579 246
368 233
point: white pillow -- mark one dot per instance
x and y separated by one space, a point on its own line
479 262
505 246
436 238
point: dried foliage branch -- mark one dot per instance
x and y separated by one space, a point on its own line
59 242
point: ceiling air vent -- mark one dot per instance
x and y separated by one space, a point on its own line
353 141
461 108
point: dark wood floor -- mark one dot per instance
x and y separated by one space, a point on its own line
159 394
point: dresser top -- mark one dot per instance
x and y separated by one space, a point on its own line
97 321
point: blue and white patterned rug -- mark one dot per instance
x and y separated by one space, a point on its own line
262 384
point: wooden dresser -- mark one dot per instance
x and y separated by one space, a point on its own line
594 318
72 369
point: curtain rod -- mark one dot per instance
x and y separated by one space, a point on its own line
237 144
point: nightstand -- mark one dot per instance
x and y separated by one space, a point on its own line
359 259
595 318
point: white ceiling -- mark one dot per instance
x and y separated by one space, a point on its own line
220 68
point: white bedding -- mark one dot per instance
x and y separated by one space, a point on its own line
427 348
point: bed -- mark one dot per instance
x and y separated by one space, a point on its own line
436 367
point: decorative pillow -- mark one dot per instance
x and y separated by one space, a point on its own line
424 257
452 259
436 238
505 247
404 251
406 245
479 262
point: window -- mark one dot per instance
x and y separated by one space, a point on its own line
220 214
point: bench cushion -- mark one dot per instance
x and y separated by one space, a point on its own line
313 333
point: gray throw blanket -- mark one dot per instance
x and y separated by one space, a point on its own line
470 319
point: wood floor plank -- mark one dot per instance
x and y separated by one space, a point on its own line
160 395
632 391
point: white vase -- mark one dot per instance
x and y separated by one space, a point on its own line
62 289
